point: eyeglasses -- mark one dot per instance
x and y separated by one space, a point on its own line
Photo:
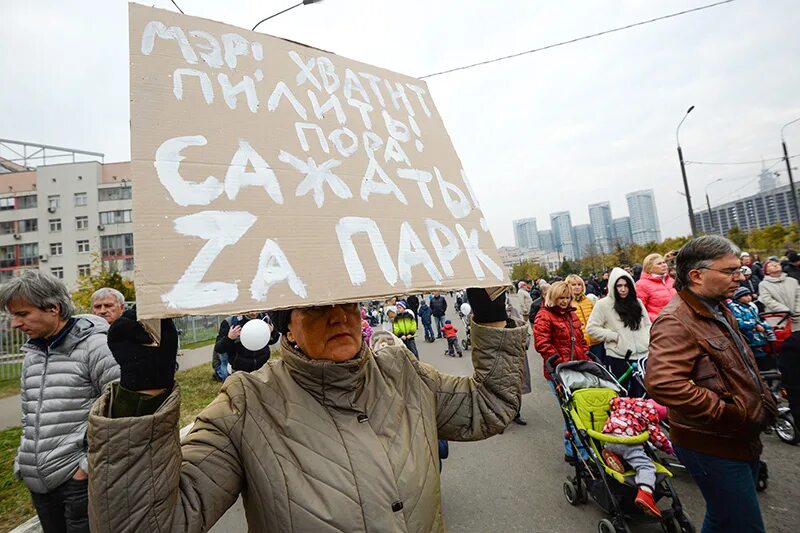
731 272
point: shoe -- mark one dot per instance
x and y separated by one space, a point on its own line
645 500
613 461
519 420
461 355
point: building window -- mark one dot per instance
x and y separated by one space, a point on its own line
56 248
114 193
8 203
84 270
82 222
115 217
27 202
57 272
7 228
8 256
29 254
117 246
55 224
31 224
83 246
53 201
81 199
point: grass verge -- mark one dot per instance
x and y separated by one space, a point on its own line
198 389
9 387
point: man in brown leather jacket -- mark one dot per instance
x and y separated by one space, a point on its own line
702 369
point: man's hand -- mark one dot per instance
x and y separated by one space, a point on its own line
759 327
144 366
234 332
485 311
80 475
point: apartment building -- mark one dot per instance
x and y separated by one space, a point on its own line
60 217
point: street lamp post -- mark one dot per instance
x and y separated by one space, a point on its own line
683 173
304 2
795 209
716 227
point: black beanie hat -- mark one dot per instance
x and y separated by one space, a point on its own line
280 319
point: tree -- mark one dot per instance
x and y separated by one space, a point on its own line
528 270
737 236
98 278
567 268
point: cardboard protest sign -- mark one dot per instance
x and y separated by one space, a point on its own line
269 174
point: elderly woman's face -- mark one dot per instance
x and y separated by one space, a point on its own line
331 332
773 269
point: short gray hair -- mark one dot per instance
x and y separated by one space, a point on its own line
700 253
39 289
104 292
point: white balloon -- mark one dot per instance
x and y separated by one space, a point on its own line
255 334
465 309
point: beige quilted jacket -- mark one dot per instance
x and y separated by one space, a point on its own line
312 446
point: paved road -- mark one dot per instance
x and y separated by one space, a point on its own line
512 482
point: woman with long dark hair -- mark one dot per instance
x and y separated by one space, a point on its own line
620 320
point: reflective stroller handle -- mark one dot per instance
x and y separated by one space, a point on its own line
549 363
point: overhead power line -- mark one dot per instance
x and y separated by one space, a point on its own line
753 162
577 39
177 6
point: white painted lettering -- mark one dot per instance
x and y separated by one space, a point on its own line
476 255
444 252
346 228
205 83
316 176
422 178
352 83
385 186
184 193
234 45
220 229
372 143
398 94
364 109
373 83
306 70
230 92
395 152
411 252
281 89
332 103
238 177
327 72
211 51
420 92
459 207
300 128
336 138
154 28
274 267
396 129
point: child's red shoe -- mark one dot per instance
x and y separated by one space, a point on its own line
645 500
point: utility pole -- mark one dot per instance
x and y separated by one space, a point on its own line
683 173
795 209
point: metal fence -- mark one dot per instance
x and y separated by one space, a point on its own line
192 329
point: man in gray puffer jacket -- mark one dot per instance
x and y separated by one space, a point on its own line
67 364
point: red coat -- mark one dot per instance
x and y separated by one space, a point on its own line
553 335
655 293
450 330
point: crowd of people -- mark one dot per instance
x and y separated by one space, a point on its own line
349 420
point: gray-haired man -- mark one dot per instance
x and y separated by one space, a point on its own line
67 364
108 303
701 367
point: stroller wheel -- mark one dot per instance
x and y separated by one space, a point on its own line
685 523
465 344
606 526
762 484
786 429
572 493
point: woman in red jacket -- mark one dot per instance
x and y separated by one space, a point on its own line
655 287
557 331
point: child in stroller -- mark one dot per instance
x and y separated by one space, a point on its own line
585 391
630 417
755 329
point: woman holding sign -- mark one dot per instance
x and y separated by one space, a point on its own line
333 437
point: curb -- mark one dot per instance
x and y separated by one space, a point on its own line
32 525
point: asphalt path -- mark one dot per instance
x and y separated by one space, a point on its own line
513 481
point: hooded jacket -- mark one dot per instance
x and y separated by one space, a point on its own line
655 292
311 445
606 325
781 294
60 381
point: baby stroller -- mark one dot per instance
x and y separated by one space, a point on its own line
585 389
781 323
466 343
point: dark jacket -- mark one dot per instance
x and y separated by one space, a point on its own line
536 304
425 314
557 331
792 270
438 305
240 357
703 370
413 303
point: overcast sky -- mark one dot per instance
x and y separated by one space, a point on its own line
550 131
